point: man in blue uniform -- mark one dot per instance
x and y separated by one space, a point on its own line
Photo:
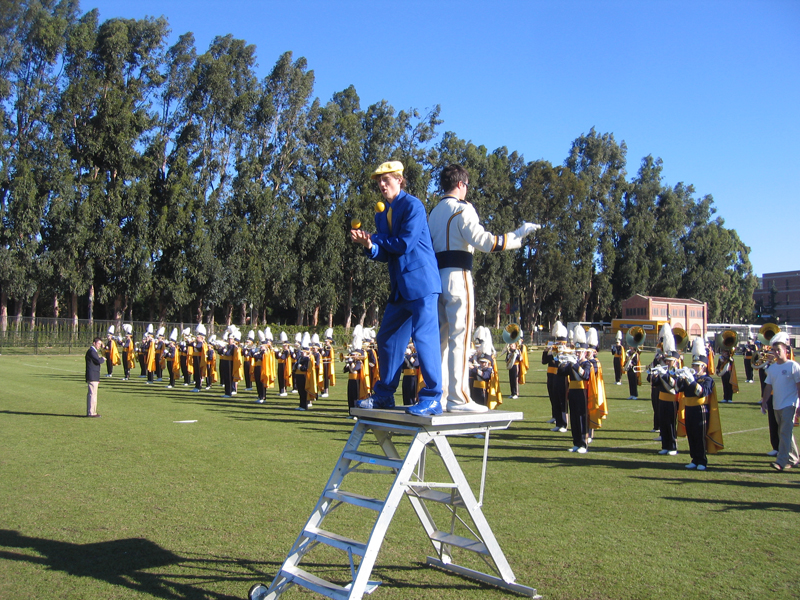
403 241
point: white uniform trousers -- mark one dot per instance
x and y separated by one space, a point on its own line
456 322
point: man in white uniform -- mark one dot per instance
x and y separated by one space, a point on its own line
457 232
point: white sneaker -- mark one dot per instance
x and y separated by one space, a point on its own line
514 397
673 452
471 407
169 387
562 430
323 395
619 383
283 394
582 450
295 392
259 402
772 453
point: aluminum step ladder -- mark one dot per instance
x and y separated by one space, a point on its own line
408 479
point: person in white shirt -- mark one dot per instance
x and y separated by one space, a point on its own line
457 233
783 382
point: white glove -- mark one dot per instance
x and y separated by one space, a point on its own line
526 229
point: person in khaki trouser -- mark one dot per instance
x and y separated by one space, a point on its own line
93 362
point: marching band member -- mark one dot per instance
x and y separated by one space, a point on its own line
257 361
557 382
169 357
328 371
634 376
457 232
198 355
128 351
159 347
111 352
285 356
749 350
314 376
657 365
354 366
247 355
726 368
513 360
237 369
596 392
183 349
484 346
213 347
668 396
303 367
617 351
698 417
269 369
297 351
578 369
483 373
149 348
226 364
410 375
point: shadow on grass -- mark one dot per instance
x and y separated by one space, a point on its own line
731 505
37 414
127 563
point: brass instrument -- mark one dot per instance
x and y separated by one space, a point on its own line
727 341
512 333
350 356
681 338
634 338
767 331
762 359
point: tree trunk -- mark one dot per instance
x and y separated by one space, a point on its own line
210 320
119 311
330 318
228 314
299 320
497 312
243 309
74 310
315 317
3 311
348 309
198 318
33 307
55 306
17 313
91 304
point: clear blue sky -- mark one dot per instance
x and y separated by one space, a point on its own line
710 87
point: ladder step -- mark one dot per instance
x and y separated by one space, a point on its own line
434 496
335 540
314 583
374 459
460 542
354 499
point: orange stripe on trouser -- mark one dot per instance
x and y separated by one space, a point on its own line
456 320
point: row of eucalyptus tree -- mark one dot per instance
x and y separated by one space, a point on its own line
143 180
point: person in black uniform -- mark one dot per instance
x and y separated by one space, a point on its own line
725 370
170 355
128 351
747 357
633 373
183 351
410 374
199 349
618 351
482 375
301 369
257 357
699 400
556 384
328 373
247 356
159 346
578 370
513 358
284 356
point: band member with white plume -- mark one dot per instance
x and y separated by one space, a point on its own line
578 369
668 394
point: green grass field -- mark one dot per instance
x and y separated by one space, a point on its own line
134 505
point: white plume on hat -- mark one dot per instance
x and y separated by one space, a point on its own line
483 341
667 339
329 333
251 335
561 330
284 337
161 331
111 330
619 335
305 340
315 339
173 336
186 331
212 339
592 338
128 328
358 337
268 334
698 347
200 329
554 329
579 335
261 337
571 336
149 329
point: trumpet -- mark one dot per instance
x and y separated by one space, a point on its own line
762 359
659 370
351 356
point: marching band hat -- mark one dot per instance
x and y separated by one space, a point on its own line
128 328
161 331
329 333
111 330
315 339
780 338
284 338
173 336
298 338
674 355
261 337
200 329
592 338
212 340
700 360
392 166
251 335
485 357
579 337
150 329
268 334
186 331
306 340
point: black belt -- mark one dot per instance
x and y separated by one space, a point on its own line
454 259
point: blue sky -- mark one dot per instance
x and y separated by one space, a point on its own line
710 87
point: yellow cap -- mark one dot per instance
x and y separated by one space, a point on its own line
393 166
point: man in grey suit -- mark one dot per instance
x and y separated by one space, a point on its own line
93 362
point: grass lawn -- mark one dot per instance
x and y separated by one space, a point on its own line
135 505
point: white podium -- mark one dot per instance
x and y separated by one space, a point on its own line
408 479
